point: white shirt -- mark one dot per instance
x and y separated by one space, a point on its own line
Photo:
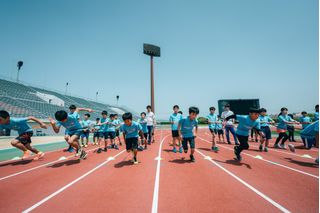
226 114
151 119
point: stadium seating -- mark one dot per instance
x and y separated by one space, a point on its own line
22 100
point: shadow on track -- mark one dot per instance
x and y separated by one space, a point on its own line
65 163
16 163
301 163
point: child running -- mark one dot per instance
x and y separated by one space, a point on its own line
174 119
229 124
96 132
246 123
103 130
212 119
73 128
219 128
186 128
265 121
118 123
143 122
25 132
131 131
111 131
284 120
86 128
311 134
75 112
305 120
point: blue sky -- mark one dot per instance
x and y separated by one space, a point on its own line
210 50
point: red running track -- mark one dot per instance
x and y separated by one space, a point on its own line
277 181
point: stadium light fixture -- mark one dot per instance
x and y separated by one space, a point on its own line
19 65
152 51
67 84
117 97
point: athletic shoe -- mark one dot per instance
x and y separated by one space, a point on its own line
261 147
105 149
317 161
256 140
86 145
70 149
116 147
145 147
180 149
120 143
149 143
291 147
78 153
185 151
192 158
212 148
112 146
215 148
276 145
140 148
25 155
83 155
266 149
99 150
38 156
283 146
82 145
135 161
237 144
238 157
229 142
174 150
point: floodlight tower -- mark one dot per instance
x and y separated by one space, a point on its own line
19 65
152 51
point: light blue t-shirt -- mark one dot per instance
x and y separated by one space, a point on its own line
316 116
97 128
219 124
86 123
175 118
304 119
311 130
246 124
18 124
117 122
72 124
186 126
131 131
282 121
264 120
212 118
143 123
112 126
104 127
75 114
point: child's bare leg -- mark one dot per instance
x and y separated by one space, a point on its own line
18 145
213 140
192 152
32 149
105 143
74 142
267 143
66 138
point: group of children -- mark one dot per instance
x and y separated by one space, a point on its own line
184 130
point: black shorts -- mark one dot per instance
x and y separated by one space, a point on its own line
220 131
215 131
185 143
266 131
77 132
117 133
110 135
97 135
175 133
25 138
131 143
85 134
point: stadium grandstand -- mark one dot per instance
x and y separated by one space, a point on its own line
22 100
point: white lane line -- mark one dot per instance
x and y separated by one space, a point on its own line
269 161
40 166
275 150
274 203
156 183
70 184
